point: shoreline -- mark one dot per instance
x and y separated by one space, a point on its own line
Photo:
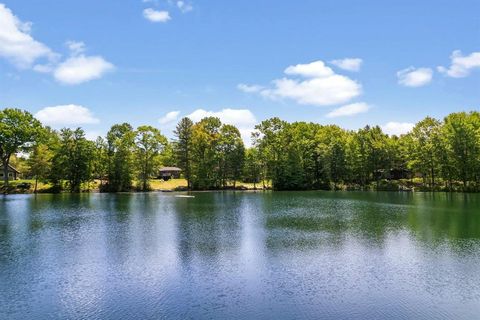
180 185
246 191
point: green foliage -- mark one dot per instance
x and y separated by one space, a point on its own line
149 143
424 144
205 170
231 154
120 150
73 160
100 162
40 160
40 163
370 153
462 146
273 146
252 170
182 147
18 131
310 156
167 157
435 155
210 153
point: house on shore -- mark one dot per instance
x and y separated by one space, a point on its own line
393 174
167 173
12 173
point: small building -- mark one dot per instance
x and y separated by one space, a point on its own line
393 174
167 173
12 173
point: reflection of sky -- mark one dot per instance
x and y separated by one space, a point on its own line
224 255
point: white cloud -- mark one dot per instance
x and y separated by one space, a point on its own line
319 91
81 68
76 47
78 68
349 110
412 77
169 117
349 64
237 117
319 86
155 15
243 119
316 69
70 114
16 43
461 65
19 47
43 68
184 6
397 128
249 88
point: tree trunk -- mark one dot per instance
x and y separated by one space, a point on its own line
5 163
433 177
36 183
5 174
263 177
187 176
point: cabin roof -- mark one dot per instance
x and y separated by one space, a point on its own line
164 169
11 168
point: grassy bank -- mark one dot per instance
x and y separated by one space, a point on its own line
28 186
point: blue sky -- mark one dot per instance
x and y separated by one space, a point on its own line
95 63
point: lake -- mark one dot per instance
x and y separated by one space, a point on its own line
244 255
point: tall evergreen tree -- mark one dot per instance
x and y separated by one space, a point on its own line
183 146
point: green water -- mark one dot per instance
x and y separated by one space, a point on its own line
283 255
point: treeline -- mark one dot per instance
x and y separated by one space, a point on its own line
211 154
68 161
442 155
445 155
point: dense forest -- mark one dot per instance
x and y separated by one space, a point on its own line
438 154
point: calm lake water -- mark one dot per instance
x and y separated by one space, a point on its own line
284 255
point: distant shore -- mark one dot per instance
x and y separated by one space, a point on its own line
27 186
180 185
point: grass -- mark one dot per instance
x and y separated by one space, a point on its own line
159 184
41 187
155 184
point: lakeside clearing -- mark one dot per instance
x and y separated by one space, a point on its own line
28 185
